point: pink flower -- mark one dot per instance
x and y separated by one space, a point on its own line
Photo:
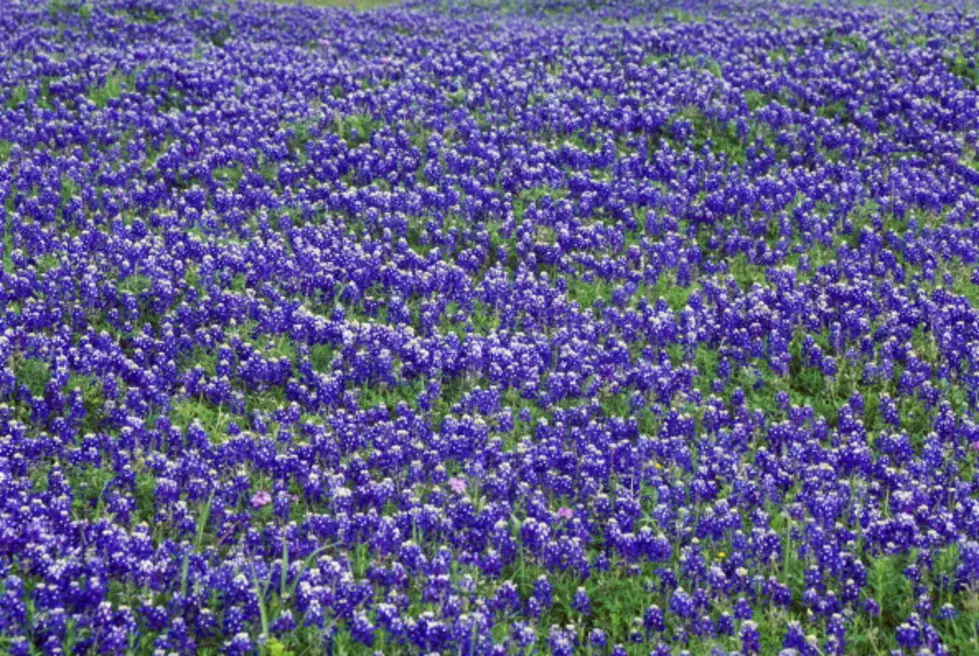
261 498
565 513
458 485
325 43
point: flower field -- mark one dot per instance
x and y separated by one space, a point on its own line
532 327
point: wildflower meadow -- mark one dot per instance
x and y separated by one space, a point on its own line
505 328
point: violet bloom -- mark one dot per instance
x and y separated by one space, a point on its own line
261 498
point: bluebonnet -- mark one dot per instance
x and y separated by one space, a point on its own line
419 322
